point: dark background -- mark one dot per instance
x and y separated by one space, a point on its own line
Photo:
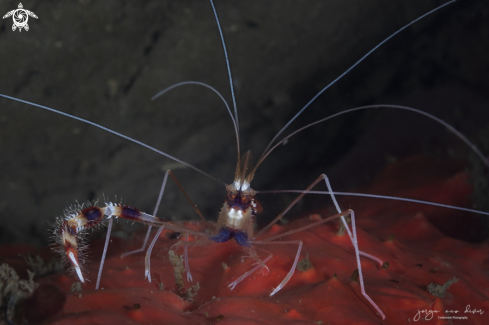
104 60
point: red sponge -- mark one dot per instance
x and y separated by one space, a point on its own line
427 276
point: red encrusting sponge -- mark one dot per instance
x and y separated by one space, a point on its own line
426 277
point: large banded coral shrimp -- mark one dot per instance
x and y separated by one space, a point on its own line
128 127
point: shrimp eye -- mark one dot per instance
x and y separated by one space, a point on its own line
231 196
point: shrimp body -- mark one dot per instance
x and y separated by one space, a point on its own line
238 214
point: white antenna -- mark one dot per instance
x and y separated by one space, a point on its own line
229 74
344 73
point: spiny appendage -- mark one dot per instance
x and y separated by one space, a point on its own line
70 229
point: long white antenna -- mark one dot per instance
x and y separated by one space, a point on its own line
183 83
348 70
115 133
375 196
472 146
229 72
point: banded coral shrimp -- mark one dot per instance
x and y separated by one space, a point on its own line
121 183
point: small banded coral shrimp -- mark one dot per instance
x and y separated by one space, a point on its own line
136 75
